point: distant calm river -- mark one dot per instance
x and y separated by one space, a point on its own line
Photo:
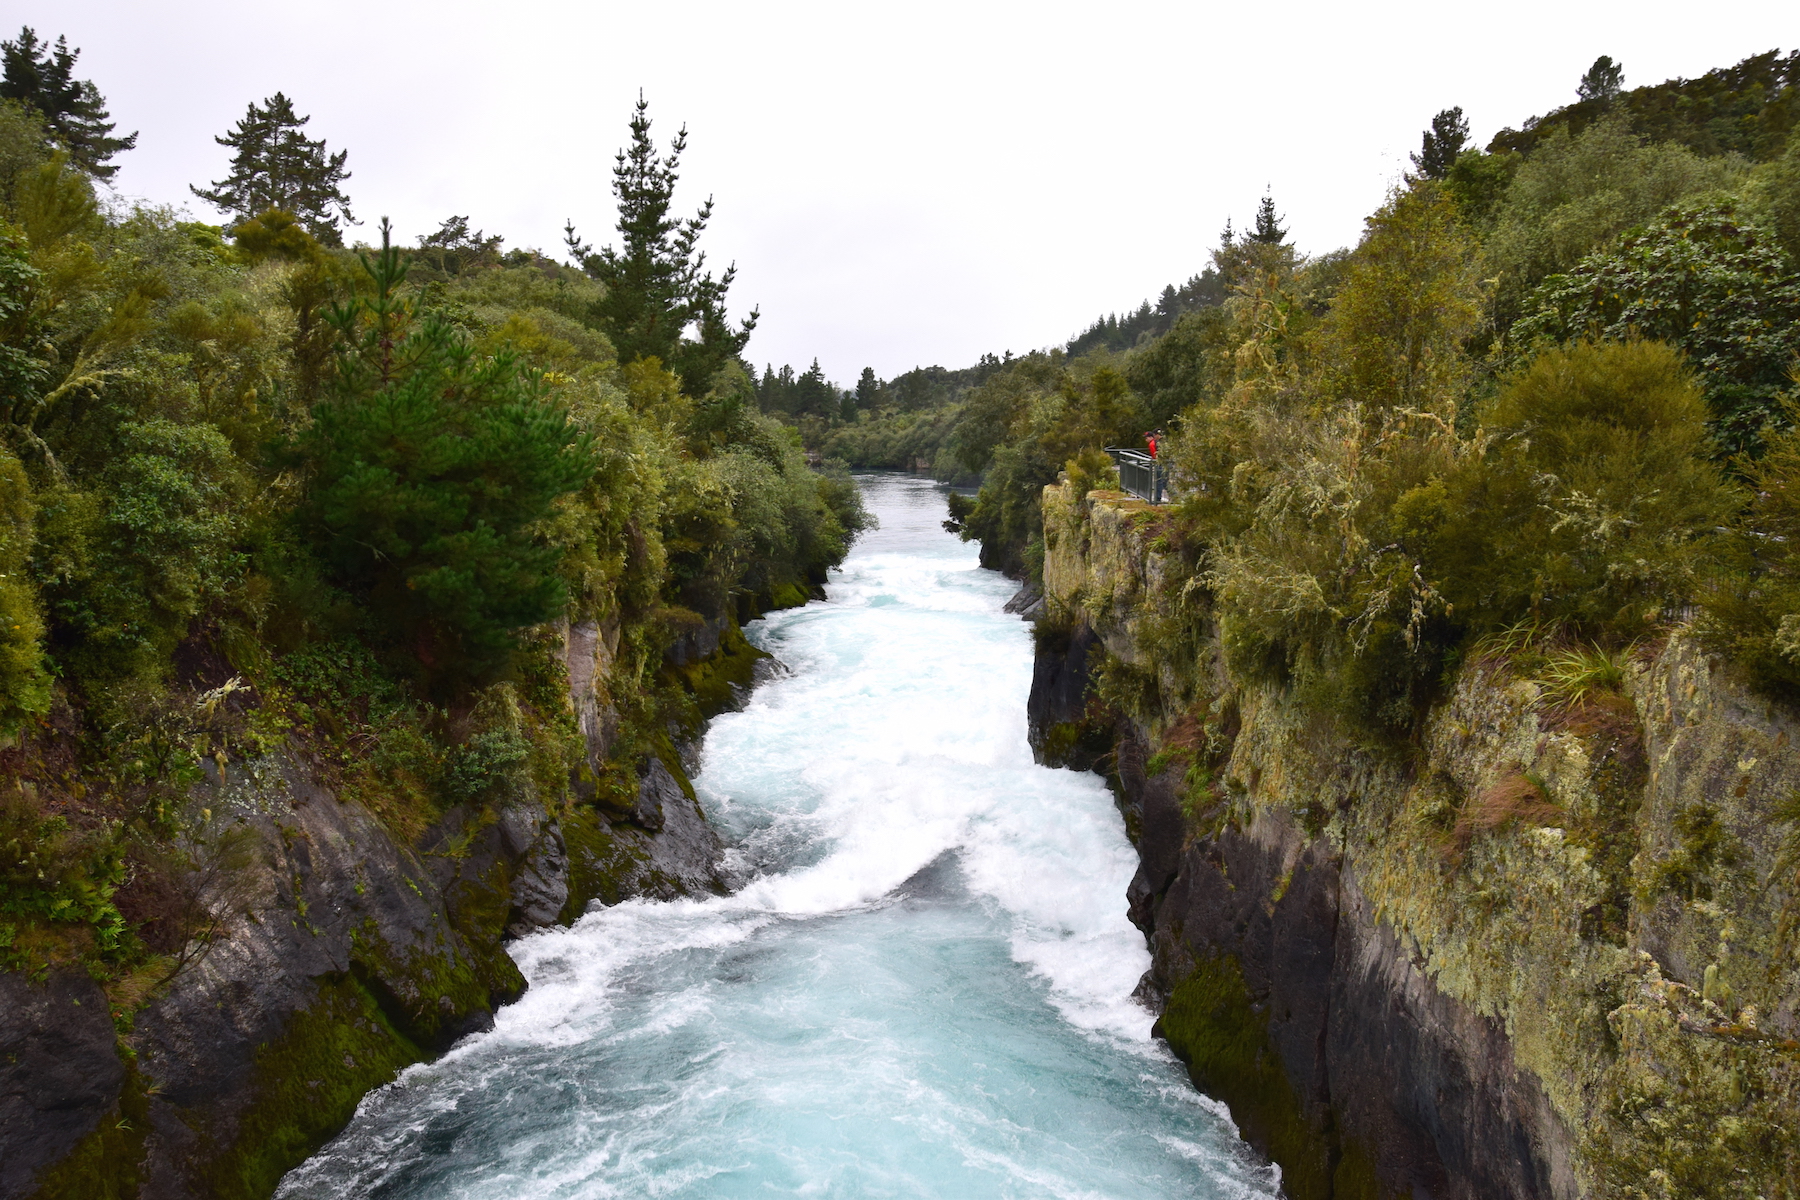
923 992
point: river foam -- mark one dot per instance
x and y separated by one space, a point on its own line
923 991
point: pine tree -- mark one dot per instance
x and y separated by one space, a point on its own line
1448 134
1603 81
1268 229
277 166
73 109
431 471
868 391
453 249
658 290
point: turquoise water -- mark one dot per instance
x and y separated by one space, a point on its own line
923 991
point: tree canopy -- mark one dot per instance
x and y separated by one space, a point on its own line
275 165
661 302
1448 134
1268 229
74 112
1603 81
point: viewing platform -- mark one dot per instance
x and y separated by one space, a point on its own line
1141 475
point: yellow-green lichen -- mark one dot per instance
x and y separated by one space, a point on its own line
1529 844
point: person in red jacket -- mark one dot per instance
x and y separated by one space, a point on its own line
1150 440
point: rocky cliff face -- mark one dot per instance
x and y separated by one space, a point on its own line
344 951
1539 951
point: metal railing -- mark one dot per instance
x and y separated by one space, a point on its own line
1141 475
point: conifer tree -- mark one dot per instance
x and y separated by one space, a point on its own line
72 109
277 166
432 470
1603 81
868 389
1448 134
1268 229
658 290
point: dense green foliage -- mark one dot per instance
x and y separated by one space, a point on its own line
1701 279
1747 109
259 492
1528 399
429 468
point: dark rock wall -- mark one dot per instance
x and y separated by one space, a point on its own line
60 1074
1348 1066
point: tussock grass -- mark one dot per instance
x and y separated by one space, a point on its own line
1579 675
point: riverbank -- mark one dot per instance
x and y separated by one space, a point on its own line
348 943
1541 950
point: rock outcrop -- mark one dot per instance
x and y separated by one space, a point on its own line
1537 952
344 949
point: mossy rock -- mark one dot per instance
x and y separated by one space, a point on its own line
710 681
1213 1027
602 864
431 998
308 1084
104 1165
1075 744
792 594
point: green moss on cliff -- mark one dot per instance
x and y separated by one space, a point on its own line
709 680
1076 743
1212 1025
601 862
308 1083
429 996
479 908
105 1165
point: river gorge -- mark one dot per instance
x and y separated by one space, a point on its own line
923 987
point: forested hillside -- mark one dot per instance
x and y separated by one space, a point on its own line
263 491
1554 383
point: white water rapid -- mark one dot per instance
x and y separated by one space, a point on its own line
924 991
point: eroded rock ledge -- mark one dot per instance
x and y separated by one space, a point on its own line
1537 953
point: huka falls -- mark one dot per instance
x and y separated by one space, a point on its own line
525 676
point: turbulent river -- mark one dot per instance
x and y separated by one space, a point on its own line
923 991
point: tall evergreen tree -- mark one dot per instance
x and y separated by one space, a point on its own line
1268 229
868 390
1448 134
1603 81
432 470
658 291
73 109
277 166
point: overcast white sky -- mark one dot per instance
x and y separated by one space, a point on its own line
899 184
